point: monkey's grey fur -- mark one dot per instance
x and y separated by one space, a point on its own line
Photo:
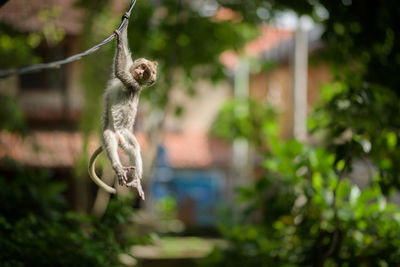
121 100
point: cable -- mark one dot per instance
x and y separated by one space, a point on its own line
58 63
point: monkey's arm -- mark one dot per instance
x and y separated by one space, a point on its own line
122 62
124 39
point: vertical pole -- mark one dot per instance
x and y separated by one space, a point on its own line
240 146
241 80
300 84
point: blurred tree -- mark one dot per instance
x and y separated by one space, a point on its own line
245 118
363 47
363 102
16 49
37 230
19 49
361 39
305 211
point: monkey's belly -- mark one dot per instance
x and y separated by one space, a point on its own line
122 118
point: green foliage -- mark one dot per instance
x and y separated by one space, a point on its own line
244 119
362 123
16 49
37 230
167 208
12 118
304 211
363 49
179 36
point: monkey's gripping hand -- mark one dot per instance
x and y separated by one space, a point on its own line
122 173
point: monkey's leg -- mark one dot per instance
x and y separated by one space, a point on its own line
134 153
110 142
132 148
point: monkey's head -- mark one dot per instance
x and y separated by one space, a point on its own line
144 71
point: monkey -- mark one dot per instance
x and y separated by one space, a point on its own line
121 100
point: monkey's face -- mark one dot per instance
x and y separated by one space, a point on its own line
144 71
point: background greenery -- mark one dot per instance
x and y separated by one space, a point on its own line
37 229
303 210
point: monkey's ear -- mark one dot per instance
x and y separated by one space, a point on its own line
155 63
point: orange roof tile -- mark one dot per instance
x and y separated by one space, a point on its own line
269 38
224 14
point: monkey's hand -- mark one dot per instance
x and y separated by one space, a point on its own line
122 173
126 15
118 34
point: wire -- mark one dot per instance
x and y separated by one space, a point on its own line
58 63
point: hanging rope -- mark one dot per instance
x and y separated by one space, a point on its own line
58 63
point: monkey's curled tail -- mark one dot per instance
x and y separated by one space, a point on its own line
93 175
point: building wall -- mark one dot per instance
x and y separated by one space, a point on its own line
276 88
199 111
49 95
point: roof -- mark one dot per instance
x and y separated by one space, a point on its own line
227 14
284 50
269 38
31 16
273 44
43 148
61 149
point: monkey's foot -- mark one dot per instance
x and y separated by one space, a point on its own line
117 32
122 174
136 183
